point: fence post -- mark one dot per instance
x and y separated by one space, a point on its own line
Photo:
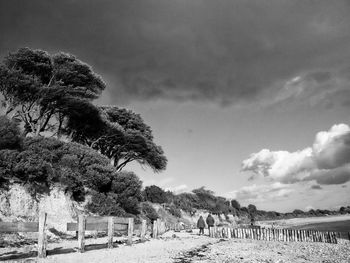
110 230
143 230
159 230
154 229
42 241
130 230
81 233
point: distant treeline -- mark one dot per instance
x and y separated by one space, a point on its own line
203 199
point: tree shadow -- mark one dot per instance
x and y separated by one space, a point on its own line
18 255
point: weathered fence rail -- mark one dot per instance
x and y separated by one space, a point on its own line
268 234
108 224
40 227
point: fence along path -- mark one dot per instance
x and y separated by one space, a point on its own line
40 227
109 224
268 234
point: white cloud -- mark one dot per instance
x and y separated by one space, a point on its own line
261 193
327 161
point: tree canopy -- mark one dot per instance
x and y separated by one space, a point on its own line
52 94
124 138
42 89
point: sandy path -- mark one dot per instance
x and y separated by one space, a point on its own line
165 249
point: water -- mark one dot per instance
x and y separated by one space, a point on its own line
343 227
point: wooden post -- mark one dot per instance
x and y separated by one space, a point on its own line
110 231
81 233
42 241
155 229
130 230
335 238
159 231
143 230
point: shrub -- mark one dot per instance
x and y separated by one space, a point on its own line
175 211
155 194
9 134
127 187
148 210
106 205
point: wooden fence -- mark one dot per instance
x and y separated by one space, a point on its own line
109 224
159 228
40 227
268 234
177 227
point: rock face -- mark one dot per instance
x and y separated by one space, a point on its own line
18 205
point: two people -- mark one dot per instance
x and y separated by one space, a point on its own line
201 224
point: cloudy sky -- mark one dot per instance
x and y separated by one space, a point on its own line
248 98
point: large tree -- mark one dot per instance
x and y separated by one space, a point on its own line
124 138
52 95
46 92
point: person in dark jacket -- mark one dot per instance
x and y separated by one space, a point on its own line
201 225
210 221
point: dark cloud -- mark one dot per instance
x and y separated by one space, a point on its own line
335 176
316 187
202 50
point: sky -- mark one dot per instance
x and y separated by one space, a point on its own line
249 98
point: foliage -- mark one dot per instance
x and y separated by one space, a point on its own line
52 94
235 204
44 162
127 188
186 201
175 211
251 209
148 210
106 205
124 138
10 137
155 194
41 89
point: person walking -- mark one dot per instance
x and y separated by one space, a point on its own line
201 225
210 222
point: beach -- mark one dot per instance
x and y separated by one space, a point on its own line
183 247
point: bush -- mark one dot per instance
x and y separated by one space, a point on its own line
127 187
175 211
105 205
148 210
155 194
10 137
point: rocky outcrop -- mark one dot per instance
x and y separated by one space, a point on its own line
18 205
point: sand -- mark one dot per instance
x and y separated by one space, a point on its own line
185 247
189 247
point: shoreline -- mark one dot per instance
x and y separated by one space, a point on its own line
305 220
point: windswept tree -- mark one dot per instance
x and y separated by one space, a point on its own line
41 90
124 138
